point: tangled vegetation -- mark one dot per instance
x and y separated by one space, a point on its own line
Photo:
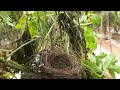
55 44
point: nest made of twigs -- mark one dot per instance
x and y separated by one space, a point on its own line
59 65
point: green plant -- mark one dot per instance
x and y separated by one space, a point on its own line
90 39
98 64
88 30
45 24
5 18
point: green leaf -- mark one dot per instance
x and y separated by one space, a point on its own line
41 12
98 62
88 30
18 26
110 59
100 65
115 68
95 19
22 23
114 60
90 39
6 18
92 58
92 46
112 73
95 71
33 29
107 62
93 66
101 55
22 19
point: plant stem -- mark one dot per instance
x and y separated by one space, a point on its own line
15 65
92 70
13 52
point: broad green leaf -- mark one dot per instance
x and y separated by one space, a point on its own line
115 68
92 46
22 23
93 66
96 72
90 39
114 60
98 62
88 31
18 26
110 59
107 62
101 55
33 29
23 19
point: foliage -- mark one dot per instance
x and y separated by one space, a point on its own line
37 22
40 23
88 30
90 39
45 25
5 18
98 64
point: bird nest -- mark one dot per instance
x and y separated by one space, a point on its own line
59 65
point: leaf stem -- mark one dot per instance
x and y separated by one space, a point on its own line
93 70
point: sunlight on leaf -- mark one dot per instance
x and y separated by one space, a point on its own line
92 58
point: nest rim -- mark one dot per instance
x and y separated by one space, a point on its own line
67 72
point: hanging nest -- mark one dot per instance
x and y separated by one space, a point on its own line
59 65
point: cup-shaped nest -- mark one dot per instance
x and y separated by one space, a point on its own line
60 65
